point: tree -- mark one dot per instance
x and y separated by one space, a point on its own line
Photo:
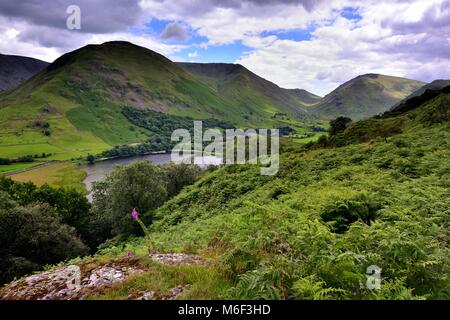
139 185
90 158
338 125
71 206
33 236
180 175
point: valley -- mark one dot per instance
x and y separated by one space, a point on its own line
363 181
81 104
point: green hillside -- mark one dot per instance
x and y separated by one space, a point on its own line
434 85
428 109
365 96
311 231
74 106
246 89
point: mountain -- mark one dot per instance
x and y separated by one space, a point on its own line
365 96
309 232
247 89
435 85
431 108
75 105
16 69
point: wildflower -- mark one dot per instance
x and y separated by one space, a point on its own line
135 214
129 254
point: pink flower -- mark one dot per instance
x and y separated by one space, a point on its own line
135 214
129 254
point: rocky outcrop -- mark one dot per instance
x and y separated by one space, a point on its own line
77 282
71 282
179 258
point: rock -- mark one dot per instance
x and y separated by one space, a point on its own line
176 292
146 295
179 258
68 282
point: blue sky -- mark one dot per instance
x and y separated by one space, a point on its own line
314 45
197 48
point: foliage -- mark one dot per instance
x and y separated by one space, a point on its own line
311 231
344 212
71 206
339 125
140 185
32 236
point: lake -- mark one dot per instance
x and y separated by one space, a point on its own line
98 170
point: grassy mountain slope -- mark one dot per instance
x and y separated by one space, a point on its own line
239 84
429 109
311 231
81 94
16 69
435 85
365 96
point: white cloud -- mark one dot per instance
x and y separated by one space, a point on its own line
344 49
17 39
193 54
399 37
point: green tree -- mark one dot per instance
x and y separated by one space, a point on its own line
139 185
90 158
31 237
338 125
180 175
71 206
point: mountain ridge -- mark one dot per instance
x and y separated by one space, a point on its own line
366 95
80 97
16 69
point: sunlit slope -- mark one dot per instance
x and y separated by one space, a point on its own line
366 96
82 93
250 91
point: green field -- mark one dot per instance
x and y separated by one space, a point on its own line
80 98
17 166
59 174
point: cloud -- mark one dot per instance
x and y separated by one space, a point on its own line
345 38
174 31
193 54
38 28
100 16
402 38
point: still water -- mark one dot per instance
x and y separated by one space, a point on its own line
98 170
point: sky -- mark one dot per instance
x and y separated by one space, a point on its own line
309 44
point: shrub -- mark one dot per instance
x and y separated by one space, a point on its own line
139 185
345 212
33 236
338 125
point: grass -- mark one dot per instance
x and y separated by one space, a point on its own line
306 140
60 174
366 96
204 282
82 100
17 166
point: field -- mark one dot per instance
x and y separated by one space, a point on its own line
60 174
17 166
